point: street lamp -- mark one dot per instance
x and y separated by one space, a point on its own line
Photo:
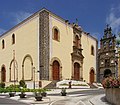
0 76
34 77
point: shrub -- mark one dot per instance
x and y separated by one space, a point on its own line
2 85
1 90
79 85
110 82
64 84
22 83
12 88
63 92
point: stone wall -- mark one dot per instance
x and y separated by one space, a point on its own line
44 45
113 95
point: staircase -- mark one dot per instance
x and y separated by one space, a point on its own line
92 85
51 85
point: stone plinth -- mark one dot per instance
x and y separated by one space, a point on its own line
113 95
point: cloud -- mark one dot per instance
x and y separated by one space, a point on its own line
19 16
113 19
2 31
15 18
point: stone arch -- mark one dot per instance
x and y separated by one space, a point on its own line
12 71
3 73
55 64
92 75
58 33
28 59
107 73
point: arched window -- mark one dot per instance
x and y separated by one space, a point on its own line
104 45
92 50
107 63
3 44
110 43
56 34
13 38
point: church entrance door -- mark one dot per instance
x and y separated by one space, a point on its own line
92 76
76 71
3 74
56 70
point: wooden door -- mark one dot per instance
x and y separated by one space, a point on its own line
3 74
76 71
91 76
56 71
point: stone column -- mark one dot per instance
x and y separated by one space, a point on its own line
44 45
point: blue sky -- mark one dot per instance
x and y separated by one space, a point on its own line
92 15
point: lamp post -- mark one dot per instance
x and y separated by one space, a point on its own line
34 77
14 64
0 76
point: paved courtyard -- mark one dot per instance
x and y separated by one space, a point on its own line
74 97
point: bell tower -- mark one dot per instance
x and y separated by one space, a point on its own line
106 55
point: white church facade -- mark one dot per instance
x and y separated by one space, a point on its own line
49 44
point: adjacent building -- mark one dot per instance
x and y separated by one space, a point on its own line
107 60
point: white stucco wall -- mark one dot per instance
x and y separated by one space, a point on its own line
26 42
62 49
89 60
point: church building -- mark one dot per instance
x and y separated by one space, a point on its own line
107 65
46 47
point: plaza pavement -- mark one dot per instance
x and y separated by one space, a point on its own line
53 98
99 100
